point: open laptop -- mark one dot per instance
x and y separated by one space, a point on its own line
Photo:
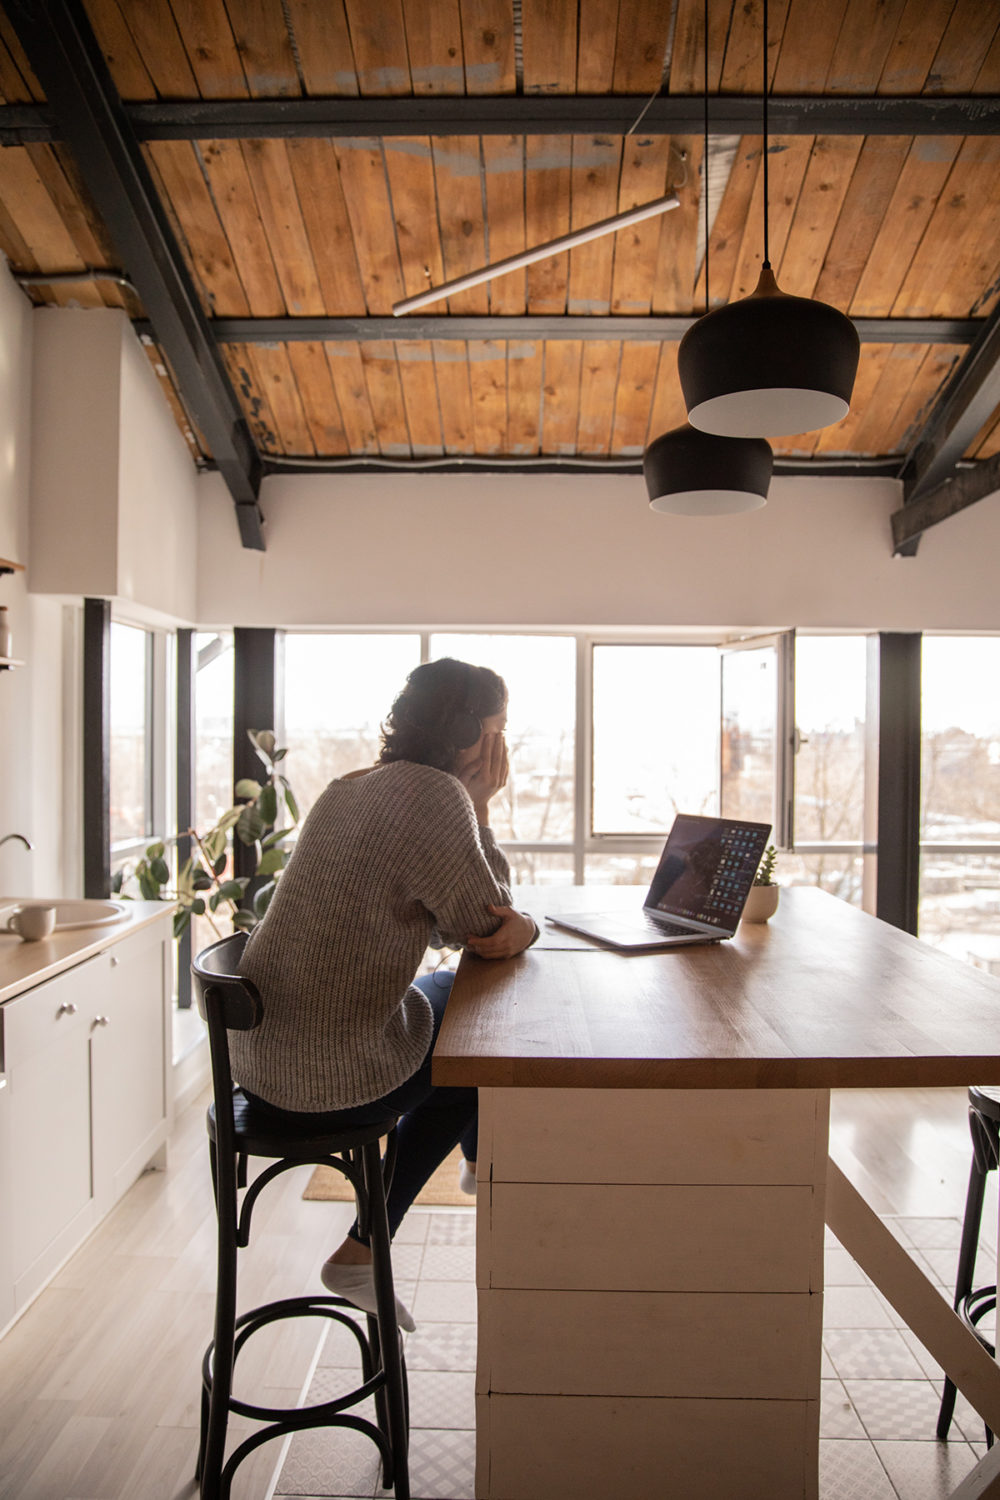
697 894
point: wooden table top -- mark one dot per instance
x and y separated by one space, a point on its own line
822 996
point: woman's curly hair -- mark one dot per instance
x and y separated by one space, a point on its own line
438 713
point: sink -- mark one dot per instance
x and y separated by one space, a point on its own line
70 914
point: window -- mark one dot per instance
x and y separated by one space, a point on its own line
213 727
534 814
131 737
960 798
834 768
656 736
610 738
338 689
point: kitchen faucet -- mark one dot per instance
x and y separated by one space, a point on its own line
8 836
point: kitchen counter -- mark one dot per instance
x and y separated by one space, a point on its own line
24 964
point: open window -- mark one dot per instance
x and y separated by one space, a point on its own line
757 732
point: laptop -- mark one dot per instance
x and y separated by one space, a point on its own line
697 894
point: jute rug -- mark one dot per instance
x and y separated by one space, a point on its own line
328 1186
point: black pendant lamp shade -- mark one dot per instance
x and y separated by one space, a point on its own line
770 364
689 473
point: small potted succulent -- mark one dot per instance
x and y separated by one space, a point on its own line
762 902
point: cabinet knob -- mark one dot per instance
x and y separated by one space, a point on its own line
115 961
66 1009
100 1021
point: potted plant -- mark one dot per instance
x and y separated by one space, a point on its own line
204 886
762 902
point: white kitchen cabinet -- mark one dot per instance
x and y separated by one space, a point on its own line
85 1107
128 1076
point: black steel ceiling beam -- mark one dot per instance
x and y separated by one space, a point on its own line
653 329
550 463
964 407
65 57
564 114
970 483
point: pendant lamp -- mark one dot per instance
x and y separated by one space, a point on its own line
691 473
770 363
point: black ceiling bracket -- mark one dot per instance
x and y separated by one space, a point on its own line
92 122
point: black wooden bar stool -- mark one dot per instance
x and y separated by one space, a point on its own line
230 1003
973 1303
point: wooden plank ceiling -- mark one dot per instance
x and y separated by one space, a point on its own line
882 226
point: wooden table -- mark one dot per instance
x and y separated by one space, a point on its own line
654 1182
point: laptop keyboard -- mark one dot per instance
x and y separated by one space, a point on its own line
667 929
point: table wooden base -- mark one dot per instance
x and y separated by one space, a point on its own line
650 1271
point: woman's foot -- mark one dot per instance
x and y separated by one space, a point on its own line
467 1178
356 1284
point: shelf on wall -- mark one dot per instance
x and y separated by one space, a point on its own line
6 662
6 566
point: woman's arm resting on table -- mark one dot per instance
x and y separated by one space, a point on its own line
516 932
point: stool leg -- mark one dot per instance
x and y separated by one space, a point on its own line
388 1331
213 1448
966 1266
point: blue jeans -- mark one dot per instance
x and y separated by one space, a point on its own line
432 1120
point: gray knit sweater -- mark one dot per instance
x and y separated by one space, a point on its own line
382 861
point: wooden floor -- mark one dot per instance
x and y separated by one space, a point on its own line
99 1379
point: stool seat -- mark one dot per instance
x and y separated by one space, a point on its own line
970 1302
238 1131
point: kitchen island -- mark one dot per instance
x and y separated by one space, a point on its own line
654 1185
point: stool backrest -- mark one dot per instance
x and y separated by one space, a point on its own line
227 1002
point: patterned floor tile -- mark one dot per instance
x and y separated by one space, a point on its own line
449 1263
926 1471
442 1346
407 1260
456 1226
896 1410
837 1417
871 1354
443 1398
841 1269
413 1230
854 1307
930 1367
330 1461
967 1421
442 1466
851 1471
445 1302
932 1234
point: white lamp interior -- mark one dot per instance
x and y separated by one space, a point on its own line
707 502
768 412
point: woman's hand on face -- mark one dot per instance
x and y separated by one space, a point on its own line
516 931
484 776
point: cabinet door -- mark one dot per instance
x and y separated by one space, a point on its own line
48 1107
127 1059
6 1271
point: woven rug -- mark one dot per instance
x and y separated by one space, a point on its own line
442 1191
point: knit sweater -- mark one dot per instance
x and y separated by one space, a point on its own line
383 861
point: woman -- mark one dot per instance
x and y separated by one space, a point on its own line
387 858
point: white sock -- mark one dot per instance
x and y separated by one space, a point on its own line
356 1284
467 1179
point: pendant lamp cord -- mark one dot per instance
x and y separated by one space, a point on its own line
767 257
708 300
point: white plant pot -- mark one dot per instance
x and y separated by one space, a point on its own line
762 903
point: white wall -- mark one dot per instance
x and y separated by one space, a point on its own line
31 697
551 550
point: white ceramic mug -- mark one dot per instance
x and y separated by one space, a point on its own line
33 922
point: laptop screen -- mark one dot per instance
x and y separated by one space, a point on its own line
707 868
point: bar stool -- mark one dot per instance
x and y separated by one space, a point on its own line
228 1002
972 1304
